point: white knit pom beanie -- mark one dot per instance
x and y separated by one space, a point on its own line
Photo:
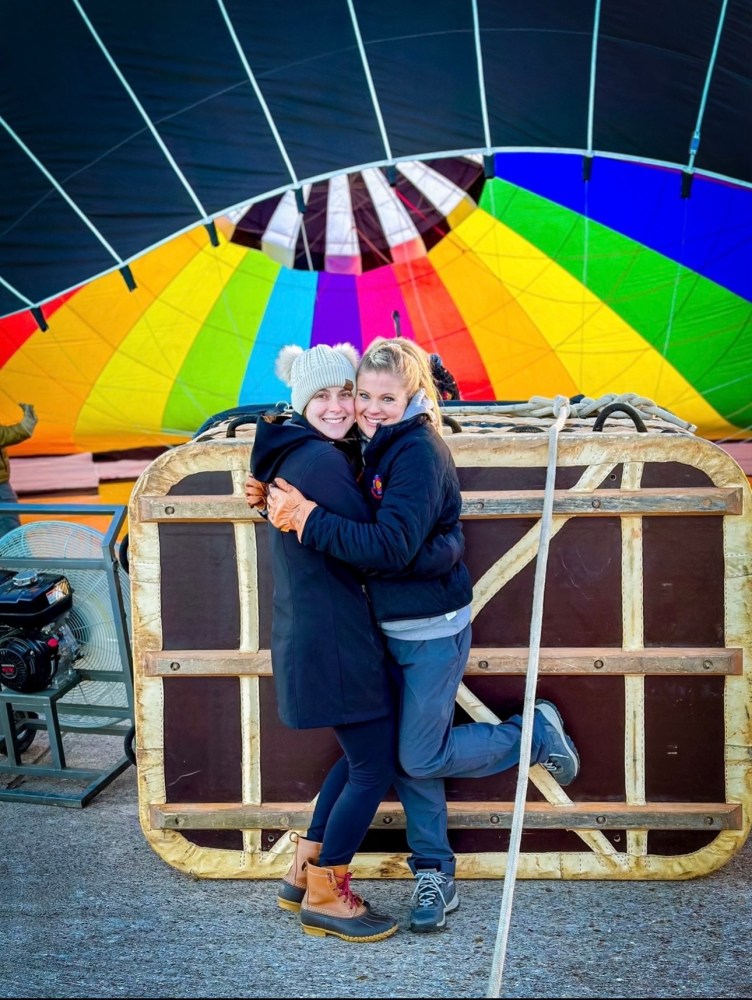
306 372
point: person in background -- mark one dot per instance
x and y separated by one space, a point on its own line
445 382
411 483
11 434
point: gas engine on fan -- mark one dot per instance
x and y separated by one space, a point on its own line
36 640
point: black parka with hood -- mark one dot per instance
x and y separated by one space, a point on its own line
328 658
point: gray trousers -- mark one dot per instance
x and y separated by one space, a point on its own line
431 748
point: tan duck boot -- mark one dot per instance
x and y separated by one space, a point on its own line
331 907
293 885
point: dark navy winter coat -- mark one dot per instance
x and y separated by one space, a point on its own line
328 658
411 483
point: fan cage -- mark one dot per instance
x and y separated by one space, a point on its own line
101 699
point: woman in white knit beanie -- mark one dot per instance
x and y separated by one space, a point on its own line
309 371
328 661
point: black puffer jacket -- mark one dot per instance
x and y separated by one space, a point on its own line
411 483
327 654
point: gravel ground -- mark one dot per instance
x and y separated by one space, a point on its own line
90 910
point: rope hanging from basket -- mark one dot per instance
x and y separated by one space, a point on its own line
560 407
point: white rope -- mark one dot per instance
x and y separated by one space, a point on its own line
560 407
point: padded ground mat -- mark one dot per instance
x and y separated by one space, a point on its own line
644 647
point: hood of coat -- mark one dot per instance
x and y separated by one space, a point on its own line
275 440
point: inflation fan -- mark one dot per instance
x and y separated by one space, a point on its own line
62 619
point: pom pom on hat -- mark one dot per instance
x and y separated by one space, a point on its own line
320 367
285 360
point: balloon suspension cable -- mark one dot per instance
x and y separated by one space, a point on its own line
306 247
302 210
561 407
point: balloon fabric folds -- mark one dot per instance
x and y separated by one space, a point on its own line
515 187
550 285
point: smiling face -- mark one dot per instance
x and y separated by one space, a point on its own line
380 398
331 411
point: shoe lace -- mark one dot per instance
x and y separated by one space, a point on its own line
351 898
430 885
552 764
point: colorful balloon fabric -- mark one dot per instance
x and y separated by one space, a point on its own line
551 285
355 222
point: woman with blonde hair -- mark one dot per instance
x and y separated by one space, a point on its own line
410 480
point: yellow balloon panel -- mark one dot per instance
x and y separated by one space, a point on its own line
600 351
133 388
516 355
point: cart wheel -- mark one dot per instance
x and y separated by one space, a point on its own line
24 733
129 745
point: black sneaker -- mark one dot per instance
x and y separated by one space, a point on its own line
436 896
563 760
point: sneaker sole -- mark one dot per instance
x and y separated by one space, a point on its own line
553 716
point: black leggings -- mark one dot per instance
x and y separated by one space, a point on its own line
353 789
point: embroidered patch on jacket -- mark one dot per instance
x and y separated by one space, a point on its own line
377 487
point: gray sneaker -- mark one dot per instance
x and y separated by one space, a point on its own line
436 896
563 760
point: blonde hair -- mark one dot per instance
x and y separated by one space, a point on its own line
409 363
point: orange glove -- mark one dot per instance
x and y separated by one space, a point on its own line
288 508
255 493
